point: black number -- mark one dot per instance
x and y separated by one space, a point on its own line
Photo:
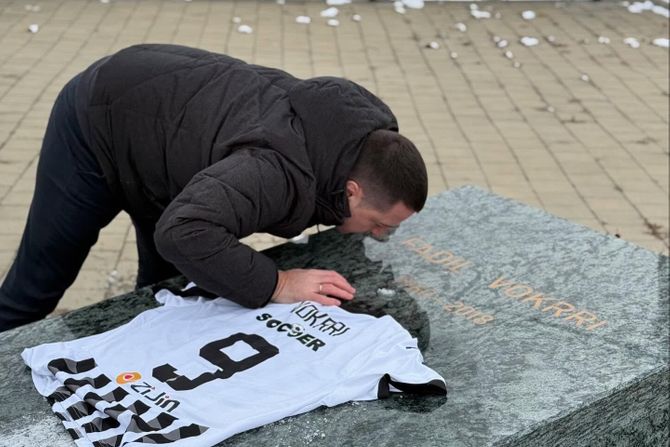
213 354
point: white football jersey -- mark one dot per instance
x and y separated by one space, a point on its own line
194 372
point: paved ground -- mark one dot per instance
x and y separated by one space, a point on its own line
577 127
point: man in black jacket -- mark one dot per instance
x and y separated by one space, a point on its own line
202 149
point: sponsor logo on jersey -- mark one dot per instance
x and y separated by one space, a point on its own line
150 392
128 377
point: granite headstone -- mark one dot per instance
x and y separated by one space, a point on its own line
548 333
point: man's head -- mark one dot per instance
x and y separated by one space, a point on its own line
387 184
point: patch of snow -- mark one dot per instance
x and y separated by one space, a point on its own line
661 42
528 15
330 12
477 14
399 7
385 292
245 29
529 41
632 42
413 4
648 5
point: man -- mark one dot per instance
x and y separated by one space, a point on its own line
202 149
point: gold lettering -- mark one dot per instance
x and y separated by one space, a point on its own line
411 241
450 307
537 300
581 317
465 310
474 315
414 288
483 319
500 282
435 258
525 290
468 312
560 307
593 326
455 268
418 245
425 249
441 257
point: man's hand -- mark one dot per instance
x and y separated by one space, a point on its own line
314 285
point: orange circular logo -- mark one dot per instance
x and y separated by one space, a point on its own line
128 377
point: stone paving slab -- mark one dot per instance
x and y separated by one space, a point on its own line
574 126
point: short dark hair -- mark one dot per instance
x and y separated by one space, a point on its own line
390 170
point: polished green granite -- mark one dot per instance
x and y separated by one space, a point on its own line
547 333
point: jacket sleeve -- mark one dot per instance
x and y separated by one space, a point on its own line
199 231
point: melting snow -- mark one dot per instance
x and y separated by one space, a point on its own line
245 29
529 41
330 12
661 42
632 42
528 15
477 14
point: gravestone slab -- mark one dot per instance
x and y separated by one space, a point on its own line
546 332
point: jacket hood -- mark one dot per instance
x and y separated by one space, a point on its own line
337 115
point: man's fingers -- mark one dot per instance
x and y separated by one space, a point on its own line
333 290
331 276
324 300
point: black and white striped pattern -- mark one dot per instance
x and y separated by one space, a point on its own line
97 412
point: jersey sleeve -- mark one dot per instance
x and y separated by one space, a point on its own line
394 364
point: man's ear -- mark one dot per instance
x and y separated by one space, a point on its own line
354 193
353 188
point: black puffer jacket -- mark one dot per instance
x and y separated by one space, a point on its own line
215 149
